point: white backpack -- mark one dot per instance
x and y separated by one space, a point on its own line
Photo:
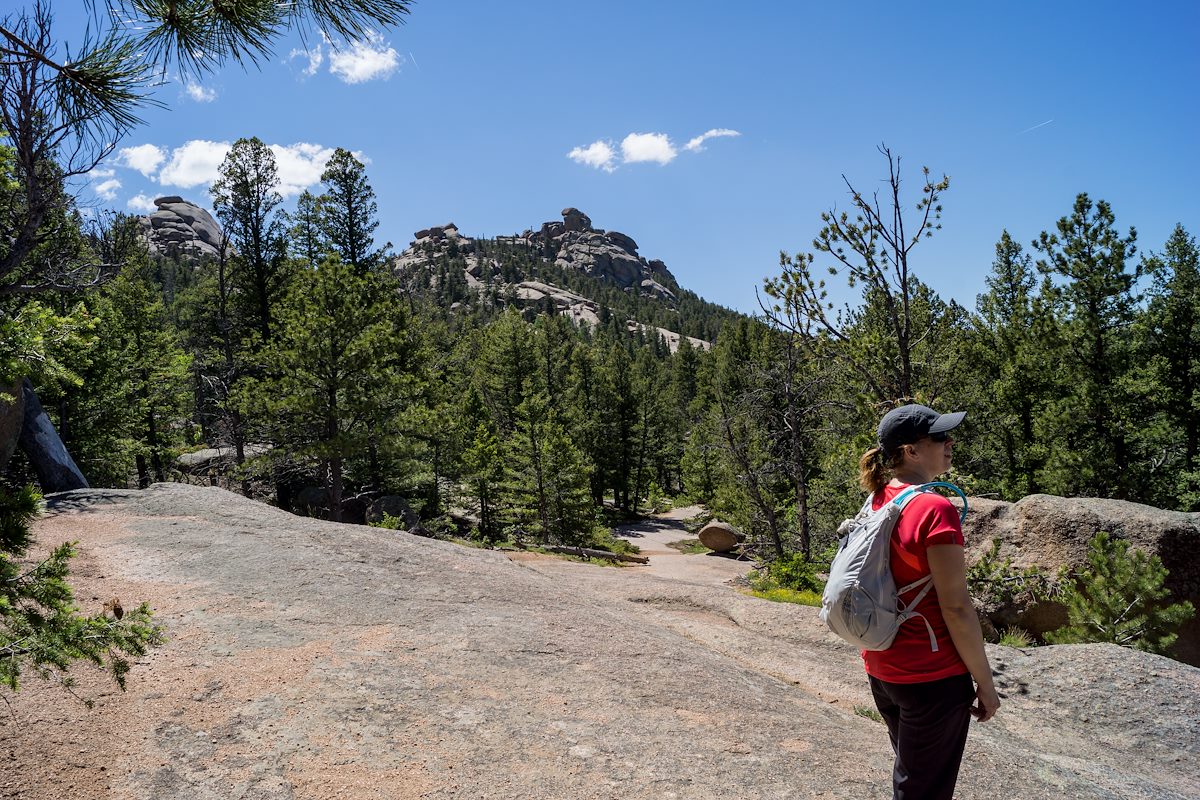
861 602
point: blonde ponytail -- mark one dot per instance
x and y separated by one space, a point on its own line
874 468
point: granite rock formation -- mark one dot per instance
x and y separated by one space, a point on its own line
1053 532
181 228
572 244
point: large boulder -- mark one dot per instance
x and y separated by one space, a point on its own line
720 536
181 228
576 220
1053 532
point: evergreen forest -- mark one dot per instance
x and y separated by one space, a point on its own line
328 374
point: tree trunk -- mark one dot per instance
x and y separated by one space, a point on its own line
56 470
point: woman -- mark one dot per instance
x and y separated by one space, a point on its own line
925 696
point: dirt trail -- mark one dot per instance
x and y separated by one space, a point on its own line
654 535
309 660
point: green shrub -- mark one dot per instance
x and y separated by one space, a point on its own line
995 582
603 539
793 571
392 523
1120 598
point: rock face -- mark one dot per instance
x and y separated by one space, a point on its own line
310 659
1052 532
180 228
572 244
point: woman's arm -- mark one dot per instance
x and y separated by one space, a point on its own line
949 569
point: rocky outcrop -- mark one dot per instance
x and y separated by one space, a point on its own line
1053 532
181 228
609 255
572 244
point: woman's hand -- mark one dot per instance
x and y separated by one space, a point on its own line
988 703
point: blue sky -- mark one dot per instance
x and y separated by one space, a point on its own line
468 113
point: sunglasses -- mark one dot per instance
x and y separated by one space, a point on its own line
940 437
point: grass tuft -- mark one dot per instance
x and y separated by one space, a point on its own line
780 595
869 713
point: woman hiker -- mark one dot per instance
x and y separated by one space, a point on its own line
925 696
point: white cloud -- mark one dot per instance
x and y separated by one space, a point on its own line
107 189
145 158
102 172
198 163
697 144
199 93
637 147
315 56
195 163
140 202
364 60
300 165
598 154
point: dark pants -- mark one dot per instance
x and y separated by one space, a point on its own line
927 723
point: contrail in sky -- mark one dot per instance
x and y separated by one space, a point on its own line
413 59
1035 127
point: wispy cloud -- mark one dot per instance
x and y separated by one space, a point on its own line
1035 127
369 58
696 144
598 154
315 57
200 94
639 147
107 190
140 202
145 158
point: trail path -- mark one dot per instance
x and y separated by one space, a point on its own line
654 535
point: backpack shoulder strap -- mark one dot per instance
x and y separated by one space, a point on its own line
904 497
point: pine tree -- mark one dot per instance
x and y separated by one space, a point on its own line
156 368
246 200
1121 598
330 367
306 237
546 485
1009 350
348 212
1093 421
1169 355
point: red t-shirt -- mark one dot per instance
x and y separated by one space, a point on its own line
928 519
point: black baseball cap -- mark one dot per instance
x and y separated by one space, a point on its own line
911 423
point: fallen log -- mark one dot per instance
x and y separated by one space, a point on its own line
589 552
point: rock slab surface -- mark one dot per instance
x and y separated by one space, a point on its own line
313 660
